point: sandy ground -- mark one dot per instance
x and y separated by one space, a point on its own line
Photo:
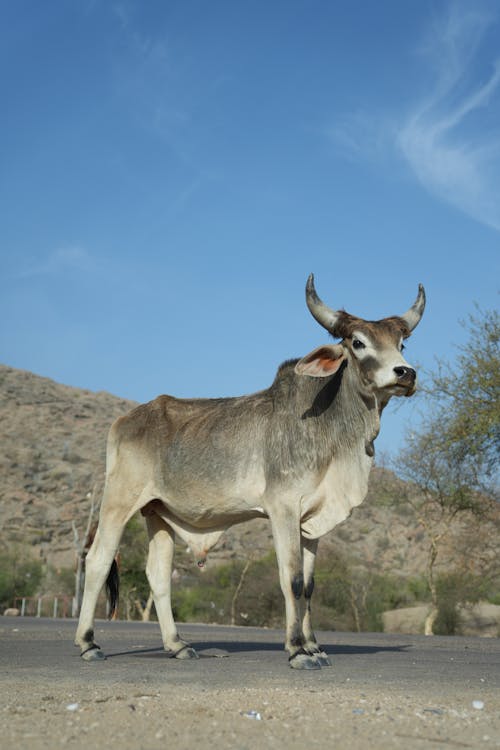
52 716
139 698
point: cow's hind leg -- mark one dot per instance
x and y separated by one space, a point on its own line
159 573
309 549
286 533
97 567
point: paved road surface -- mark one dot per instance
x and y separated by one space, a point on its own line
383 691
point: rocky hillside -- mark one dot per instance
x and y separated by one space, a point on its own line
54 438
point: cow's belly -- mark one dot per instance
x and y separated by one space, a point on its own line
205 513
207 505
343 487
202 531
200 539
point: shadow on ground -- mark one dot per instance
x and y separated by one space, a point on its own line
234 648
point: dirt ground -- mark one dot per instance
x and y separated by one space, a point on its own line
139 698
273 717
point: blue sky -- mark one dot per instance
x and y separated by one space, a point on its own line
171 172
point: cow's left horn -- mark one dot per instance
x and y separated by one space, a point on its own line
413 315
322 313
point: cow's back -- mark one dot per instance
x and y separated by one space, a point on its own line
192 452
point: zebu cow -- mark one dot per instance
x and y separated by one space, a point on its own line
298 453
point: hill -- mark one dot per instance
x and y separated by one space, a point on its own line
54 451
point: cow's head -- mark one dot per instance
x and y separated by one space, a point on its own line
373 347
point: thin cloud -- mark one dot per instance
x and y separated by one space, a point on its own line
59 261
450 138
361 136
454 161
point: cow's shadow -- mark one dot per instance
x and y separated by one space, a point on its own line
218 649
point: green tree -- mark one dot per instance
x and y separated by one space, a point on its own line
466 398
450 463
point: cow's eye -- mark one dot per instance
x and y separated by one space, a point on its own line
357 344
402 347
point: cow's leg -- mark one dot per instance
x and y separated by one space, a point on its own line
97 566
309 549
286 533
159 573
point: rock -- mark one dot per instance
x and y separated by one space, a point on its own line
481 619
405 620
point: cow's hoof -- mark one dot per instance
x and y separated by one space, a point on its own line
93 653
186 652
304 661
322 659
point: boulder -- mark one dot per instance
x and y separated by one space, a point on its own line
12 612
482 619
409 620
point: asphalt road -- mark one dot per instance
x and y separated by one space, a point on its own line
42 648
383 691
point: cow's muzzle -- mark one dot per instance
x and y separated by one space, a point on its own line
406 378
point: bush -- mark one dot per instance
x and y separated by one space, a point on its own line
260 602
209 596
200 603
453 590
19 576
132 565
355 598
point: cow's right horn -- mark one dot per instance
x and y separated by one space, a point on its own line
322 313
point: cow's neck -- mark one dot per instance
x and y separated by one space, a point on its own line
353 421
353 414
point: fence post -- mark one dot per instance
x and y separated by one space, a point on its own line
23 606
55 608
39 607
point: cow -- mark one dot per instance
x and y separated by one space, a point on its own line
298 453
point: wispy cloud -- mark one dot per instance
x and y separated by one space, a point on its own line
157 83
450 137
150 77
62 260
361 135
446 139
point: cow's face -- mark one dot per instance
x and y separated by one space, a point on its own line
374 348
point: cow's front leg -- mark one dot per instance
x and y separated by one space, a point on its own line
309 549
286 533
159 574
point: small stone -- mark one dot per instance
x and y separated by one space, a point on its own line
253 715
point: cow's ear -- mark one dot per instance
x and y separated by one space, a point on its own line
321 362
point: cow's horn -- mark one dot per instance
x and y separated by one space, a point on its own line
413 315
320 312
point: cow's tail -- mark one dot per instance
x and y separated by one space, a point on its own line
113 590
